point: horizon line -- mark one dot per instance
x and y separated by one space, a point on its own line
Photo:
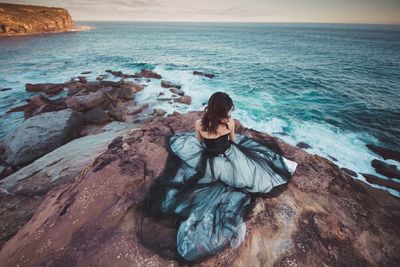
272 22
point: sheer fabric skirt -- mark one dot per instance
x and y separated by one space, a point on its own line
211 194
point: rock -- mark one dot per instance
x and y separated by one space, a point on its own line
86 72
82 79
303 145
380 181
384 152
38 104
49 88
101 77
349 172
2 170
159 112
148 74
96 116
160 93
27 19
208 75
184 99
176 113
125 94
5 89
119 113
85 102
41 134
168 84
177 91
322 217
389 170
121 74
137 109
28 186
164 98
133 86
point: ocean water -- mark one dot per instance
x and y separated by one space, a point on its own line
333 86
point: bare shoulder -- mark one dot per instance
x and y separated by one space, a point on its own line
231 122
198 124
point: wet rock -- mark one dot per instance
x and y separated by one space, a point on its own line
125 94
119 113
160 93
133 86
86 72
303 145
389 170
164 98
322 217
168 84
49 88
148 74
177 91
373 179
159 112
85 102
349 172
184 99
5 89
137 109
176 113
384 152
82 79
96 116
208 75
41 134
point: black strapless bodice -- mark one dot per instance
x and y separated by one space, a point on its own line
217 146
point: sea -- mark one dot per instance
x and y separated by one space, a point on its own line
335 87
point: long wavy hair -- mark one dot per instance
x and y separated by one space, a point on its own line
216 111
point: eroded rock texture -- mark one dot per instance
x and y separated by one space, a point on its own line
27 19
323 217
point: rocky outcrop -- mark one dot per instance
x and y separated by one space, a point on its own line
27 19
22 192
323 217
41 134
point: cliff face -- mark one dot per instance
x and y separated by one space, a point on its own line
322 218
26 19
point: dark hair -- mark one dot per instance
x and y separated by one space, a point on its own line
217 109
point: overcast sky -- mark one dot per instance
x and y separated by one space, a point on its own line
342 11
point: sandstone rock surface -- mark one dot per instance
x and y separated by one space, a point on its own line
323 217
27 19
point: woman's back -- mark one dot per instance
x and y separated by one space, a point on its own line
226 128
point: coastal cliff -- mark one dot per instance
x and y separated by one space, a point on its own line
322 217
27 19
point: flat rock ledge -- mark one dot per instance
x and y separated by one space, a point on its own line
323 217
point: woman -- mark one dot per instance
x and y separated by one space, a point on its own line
218 173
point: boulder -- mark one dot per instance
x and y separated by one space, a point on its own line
177 91
82 79
303 145
41 134
148 74
5 89
137 109
133 86
85 102
208 75
125 94
389 170
184 99
168 84
349 172
119 113
159 112
96 116
48 88
322 217
384 152
373 179
27 187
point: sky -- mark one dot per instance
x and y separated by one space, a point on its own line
325 11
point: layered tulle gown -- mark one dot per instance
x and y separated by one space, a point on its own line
212 188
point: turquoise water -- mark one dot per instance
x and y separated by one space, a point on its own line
333 86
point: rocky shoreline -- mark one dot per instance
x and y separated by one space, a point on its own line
27 19
75 170
89 212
